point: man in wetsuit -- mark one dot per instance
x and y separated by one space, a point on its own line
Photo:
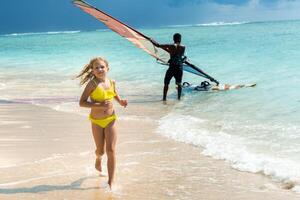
176 52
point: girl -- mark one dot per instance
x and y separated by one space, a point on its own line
101 91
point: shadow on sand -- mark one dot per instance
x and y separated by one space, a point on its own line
48 188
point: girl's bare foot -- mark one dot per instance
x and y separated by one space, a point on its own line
98 164
110 183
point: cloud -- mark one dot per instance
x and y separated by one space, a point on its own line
202 11
263 10
237 10
178 3
236 3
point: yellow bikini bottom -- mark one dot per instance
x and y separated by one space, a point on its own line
103 123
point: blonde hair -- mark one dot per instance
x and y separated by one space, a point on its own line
87 72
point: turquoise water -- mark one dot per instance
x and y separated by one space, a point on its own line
255 129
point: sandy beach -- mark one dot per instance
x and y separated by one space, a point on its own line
46 154
221 141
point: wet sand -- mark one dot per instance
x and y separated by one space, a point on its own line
46 154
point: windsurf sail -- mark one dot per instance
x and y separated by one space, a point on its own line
137 38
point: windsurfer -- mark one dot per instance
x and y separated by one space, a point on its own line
177 58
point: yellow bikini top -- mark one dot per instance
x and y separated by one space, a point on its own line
100 94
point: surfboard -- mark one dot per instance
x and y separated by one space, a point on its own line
220 87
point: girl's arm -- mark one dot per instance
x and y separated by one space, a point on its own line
122 102
87 104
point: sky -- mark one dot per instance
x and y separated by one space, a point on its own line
21 16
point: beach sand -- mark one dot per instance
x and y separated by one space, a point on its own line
47 154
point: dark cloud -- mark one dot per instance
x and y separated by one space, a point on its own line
178 3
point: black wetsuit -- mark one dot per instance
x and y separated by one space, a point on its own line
175 63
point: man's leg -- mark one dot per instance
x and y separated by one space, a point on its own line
168 77
166 87
178 79
179 89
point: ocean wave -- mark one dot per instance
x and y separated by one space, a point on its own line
222 24
2 86
102 30
53 157
45 100
36 178
235 149
211 24
42 33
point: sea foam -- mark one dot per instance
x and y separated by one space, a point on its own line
233 148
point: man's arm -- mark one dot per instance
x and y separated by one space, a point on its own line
183 51
163 46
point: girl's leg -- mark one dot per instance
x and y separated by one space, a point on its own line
111 140
99 138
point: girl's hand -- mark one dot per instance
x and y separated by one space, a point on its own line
123 102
